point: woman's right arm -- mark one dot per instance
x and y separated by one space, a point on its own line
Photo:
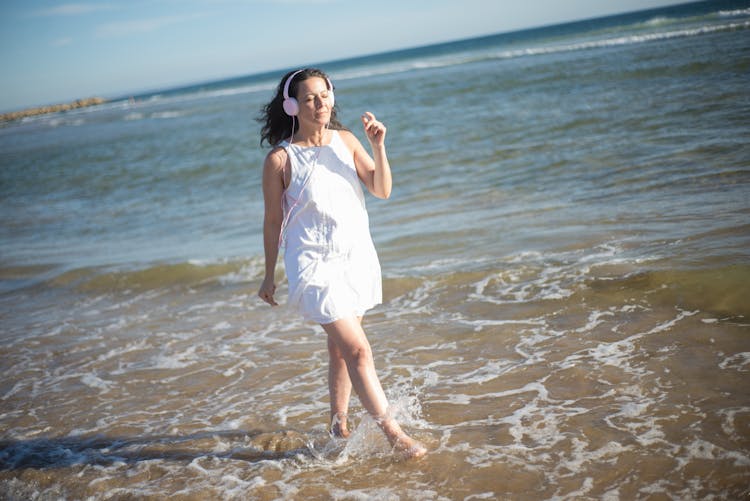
273 190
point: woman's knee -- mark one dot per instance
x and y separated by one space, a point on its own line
347 340
357 351
359 354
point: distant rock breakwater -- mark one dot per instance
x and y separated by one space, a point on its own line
53 108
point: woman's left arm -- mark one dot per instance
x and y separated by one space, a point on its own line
375 171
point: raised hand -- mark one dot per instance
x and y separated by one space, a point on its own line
374 130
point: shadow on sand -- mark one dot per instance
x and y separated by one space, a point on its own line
101 450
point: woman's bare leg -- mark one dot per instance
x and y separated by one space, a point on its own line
339 389
349 337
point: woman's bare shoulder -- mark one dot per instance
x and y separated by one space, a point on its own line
276 159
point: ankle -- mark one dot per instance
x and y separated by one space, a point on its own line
339 427
389 426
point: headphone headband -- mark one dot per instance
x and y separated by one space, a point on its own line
290 105
289 82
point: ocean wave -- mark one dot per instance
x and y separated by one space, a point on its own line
734 13
167 114
658 21
190 274
499 287
194 95
55 120
158 115
473 56
719 290
623 40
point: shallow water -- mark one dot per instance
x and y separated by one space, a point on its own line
566 278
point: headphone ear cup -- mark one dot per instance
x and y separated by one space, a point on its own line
291 107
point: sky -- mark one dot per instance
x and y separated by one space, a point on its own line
58 51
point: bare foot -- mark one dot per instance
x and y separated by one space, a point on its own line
339 428
400 441
408 447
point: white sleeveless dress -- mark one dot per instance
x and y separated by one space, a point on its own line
330 260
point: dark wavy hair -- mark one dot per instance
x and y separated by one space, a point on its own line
277 125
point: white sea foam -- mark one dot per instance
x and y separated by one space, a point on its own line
490 371
418 300
657 21
622 40
620 353
15 389
197 468
595 319
94 381
161 99
734 13
728 424
166 114
703 449
738 361
634 418
479 324
665 326
480 495
236 487
588 484
580 454
168 362
535 276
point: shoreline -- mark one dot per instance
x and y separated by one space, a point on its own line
52 108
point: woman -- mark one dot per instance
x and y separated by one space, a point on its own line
314 203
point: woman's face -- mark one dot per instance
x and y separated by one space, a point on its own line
314 100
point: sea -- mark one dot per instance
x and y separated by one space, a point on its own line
566 268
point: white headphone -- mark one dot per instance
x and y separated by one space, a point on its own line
290 104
